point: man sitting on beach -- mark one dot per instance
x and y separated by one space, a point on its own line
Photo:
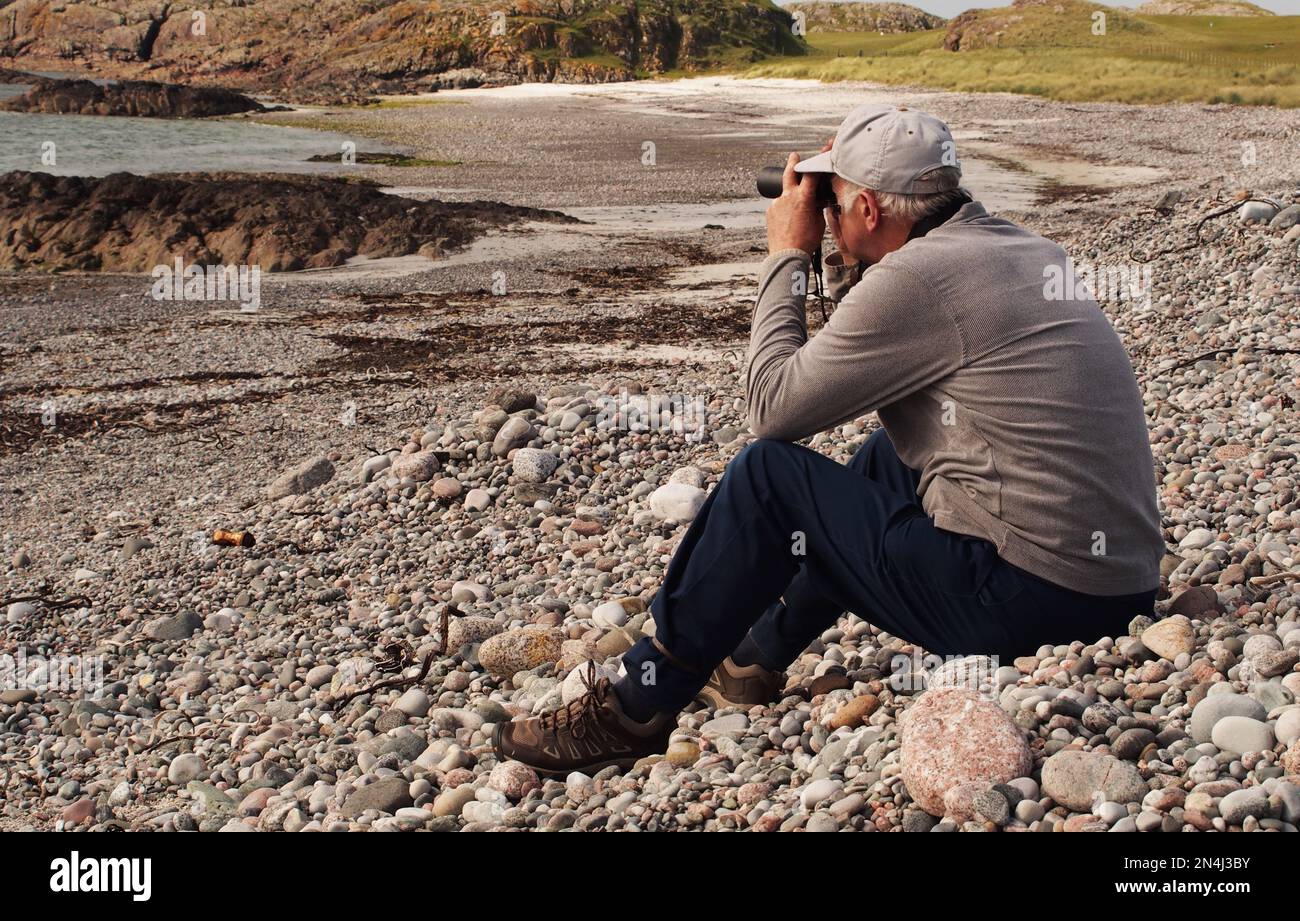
1008 500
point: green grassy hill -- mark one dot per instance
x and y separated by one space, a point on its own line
1050 49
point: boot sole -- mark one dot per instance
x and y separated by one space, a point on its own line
711 698
624 763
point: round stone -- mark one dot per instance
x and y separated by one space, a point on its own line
420 466
821 822
185 768
1259 643
952 736
78 812
1217 706
854 713
461 631
1239 804
414 702
1195 602
520 650
678 502
1170 637
1130 743
1242 734
1197 539
610 615
320 675
19 611
819 791
992 806
513 778
683 754
447 487
1287 728
1078 779
515 433
959 801
533 465
977 673
457 681
1109 812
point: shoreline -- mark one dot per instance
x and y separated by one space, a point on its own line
1022 156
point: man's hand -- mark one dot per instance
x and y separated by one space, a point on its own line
794 221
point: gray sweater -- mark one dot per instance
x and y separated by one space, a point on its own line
1021 412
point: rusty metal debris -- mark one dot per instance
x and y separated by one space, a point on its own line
233 538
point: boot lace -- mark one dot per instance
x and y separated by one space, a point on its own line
581 714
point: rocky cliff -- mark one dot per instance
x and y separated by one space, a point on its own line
824 16
328 48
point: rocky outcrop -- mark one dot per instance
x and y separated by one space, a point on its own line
1037 23
1201 8
142 98
309 49
957 26
826 16
129 223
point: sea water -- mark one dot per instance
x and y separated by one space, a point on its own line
96 145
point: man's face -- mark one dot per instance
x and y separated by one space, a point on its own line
854 221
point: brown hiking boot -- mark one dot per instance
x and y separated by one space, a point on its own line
589 734
733 685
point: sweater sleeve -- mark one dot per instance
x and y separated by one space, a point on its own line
888 338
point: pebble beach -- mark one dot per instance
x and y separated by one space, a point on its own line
464 479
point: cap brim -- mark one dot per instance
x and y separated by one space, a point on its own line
818 164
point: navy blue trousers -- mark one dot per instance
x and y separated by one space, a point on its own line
790 540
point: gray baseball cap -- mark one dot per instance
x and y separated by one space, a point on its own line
890 149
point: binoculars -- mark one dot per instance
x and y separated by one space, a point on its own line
770 177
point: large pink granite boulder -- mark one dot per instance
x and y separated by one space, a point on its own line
954 736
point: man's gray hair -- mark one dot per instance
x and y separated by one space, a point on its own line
908 207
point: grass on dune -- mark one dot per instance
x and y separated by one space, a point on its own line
1242 61
1265 36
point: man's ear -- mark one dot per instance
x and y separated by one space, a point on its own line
870 209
